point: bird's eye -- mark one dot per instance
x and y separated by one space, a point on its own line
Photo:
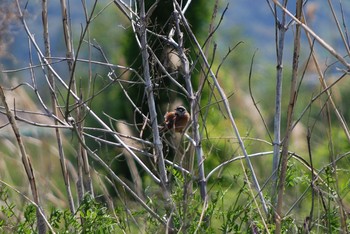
180 109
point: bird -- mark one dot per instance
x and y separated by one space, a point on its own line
173 61
176 120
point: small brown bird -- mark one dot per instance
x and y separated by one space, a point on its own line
177 120
173 62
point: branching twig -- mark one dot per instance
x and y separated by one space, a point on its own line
75 96
55 108
32 202
227 108
324 44
194 102
290 114
327 88
158 145
279 40
27 165
114 176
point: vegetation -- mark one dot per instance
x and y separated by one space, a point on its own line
83 146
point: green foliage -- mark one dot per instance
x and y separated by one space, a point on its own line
239 214
28 225
91 217
289 225
230 209
330 221
295 176
95 217
7 212
236 215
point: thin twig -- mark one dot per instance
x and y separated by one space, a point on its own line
32 202
27 165
253 99
227 108
55 108
158 145
115 177
324 44
194 102
345 43
75 96
279 40
290 115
